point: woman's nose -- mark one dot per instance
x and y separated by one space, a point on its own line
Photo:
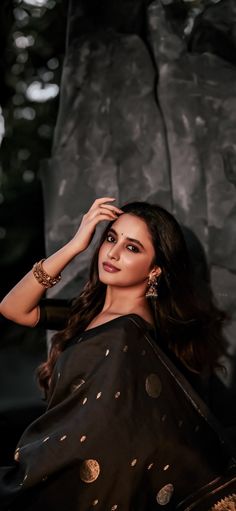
114 252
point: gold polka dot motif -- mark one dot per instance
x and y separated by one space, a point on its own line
166 467
89 471
153 385
76 386
164 495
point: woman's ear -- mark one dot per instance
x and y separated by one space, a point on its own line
156 271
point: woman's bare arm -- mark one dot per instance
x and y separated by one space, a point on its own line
21 303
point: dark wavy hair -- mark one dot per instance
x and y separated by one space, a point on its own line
187 327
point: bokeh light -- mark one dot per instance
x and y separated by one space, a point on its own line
2 125
39 92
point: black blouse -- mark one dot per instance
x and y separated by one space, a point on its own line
123 430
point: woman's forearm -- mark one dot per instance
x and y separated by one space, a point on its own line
21 303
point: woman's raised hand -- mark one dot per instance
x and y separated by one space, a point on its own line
21 303
99 211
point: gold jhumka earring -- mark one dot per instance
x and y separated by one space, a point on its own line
152 289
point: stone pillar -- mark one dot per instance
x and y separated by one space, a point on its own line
110 138
146 114
197 93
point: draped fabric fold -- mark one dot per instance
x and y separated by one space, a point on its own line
123 431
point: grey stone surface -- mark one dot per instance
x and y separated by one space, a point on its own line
110 138
144 116
198 97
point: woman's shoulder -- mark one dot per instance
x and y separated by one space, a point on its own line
104 351
118 331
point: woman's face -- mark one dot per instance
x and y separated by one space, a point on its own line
132 258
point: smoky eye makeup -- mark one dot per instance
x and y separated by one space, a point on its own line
132 240
134 248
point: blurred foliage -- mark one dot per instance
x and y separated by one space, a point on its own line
33 45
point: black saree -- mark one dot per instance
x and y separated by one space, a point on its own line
123 430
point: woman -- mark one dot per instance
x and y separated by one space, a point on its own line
123 429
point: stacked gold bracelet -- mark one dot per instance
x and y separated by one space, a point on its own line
42 276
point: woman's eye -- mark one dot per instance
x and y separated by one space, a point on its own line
109 236
134 249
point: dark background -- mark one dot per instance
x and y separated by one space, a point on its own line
32 50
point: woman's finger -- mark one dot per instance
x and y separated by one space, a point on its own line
106 216
112 208
110 214
101 200
98 212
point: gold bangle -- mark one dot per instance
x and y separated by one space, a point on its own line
42 276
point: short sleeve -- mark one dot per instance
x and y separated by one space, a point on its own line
54 313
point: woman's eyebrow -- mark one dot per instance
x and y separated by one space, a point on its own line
130 239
